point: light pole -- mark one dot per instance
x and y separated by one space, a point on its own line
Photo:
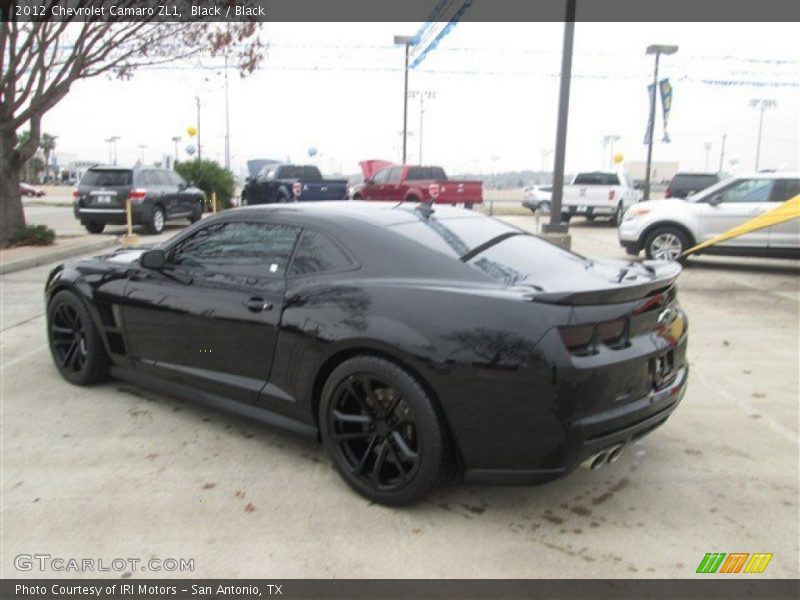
494 159
176 139
707 147
430 95
199 151
609 140
761 104
555 225
142 147
722 152
658 50
407 41
109 141
227 119
113 146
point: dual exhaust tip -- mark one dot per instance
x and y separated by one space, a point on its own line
607 456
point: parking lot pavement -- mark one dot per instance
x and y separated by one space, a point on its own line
116 470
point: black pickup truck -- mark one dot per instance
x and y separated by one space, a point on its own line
291 183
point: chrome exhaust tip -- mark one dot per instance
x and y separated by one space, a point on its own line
615 453
595 461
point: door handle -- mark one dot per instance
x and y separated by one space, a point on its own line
257 304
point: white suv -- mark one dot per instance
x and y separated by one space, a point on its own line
666 228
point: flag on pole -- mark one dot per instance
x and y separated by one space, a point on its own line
651 89
666 105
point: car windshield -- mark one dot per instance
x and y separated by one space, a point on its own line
298 172
511 255
107 177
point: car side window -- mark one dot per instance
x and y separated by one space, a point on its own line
748 190
394 175
317 253
238 248
163 178
176 179
381 176
785 189
144 178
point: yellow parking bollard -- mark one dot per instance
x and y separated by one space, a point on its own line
213 201
129 239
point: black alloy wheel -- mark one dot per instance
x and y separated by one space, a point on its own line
75 341
383 432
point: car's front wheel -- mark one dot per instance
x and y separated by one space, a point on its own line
383 431
197 212
616 220
666 243
75 341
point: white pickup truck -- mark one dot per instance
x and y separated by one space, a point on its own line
599 194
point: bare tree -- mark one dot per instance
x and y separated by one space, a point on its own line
42 59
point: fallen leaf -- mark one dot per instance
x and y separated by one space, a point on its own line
726 343
250 507
208 486
759 395
152 456
238 494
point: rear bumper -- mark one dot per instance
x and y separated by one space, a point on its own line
587 211
110 216
588 436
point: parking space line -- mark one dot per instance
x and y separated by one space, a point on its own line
749 408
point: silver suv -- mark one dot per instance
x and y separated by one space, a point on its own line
664 229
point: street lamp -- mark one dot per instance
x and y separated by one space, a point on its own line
430 95
199 151
407 41
176 139
142 147
609 139
707 147
658 50
761 104
112 148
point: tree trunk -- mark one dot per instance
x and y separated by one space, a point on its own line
12 217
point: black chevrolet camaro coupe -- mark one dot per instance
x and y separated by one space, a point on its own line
417 343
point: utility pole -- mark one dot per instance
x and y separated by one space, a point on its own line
761 104
658 50
227 119
199 151
142 147
405 40
722 152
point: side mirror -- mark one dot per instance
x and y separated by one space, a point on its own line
715 200
183 185
369 181
153 259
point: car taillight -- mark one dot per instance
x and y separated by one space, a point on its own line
433 190
582 340
137 195
668 193
297 189
611 194
76 193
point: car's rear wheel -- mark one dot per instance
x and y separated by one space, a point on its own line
666 243
565 218
383 431
93 227
74 340
616 220
590 218
197 212
157 220
357 197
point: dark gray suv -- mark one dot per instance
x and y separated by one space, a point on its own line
155 195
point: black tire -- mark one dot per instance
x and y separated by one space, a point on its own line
155 224
412 199
666 243
565 218
197 212
94 227
590 218
283 196
616 219
74 340
384 433
357 197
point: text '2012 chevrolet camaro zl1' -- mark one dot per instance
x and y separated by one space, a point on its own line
417 343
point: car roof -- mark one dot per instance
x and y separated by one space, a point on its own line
768 175
383 214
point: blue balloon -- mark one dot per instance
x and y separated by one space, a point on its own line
191 149
312 151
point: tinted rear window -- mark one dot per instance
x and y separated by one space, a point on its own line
693 182
107 177
316 253
420 173
511 261
596 179
303 173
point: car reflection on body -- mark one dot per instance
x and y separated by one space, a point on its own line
537 197
417 343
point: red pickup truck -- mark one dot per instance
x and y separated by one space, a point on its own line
386 181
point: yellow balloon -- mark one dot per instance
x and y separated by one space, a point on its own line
618 158
192 131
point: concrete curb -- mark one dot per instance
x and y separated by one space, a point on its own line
56 254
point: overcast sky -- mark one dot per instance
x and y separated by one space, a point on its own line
339 88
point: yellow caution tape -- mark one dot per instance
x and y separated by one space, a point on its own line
785 212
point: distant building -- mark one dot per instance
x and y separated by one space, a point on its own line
661 171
